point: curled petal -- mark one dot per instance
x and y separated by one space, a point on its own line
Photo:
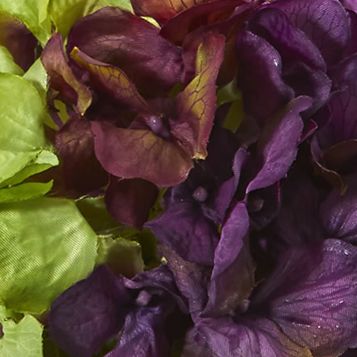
196 104
62 77
121 39
325 22
111 80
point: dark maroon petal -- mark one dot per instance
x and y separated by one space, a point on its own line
85 316
130 153
278 144
112 80
312 296
338 212
325 22
292 43
232 277
260 76
18 40
256 338
162 10
197 103
61 76
80 170
198 16
186 230
129 201
134 45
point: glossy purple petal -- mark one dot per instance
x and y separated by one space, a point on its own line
232 277
338 213
260 76
325 22
278 143
312 296
257 338
131 153
20 42
121 39
61 76
184 229
291 43
88 314
129 201
80 171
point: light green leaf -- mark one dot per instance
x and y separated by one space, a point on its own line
21 339
65 13
22 110
45 246
25 191
7 64
37 75
42 162
33 13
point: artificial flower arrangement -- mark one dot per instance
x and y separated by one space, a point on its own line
178 178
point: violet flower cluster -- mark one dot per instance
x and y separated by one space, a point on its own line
258 228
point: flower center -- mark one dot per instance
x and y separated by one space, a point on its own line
143 298
157 126
200 194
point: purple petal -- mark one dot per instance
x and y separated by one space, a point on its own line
61 76
144 334
232 277
291 43
260 76
277 146
130 153
183 228
85 316
312 296
257 338
325 22
129 201
338 213
121 39
191 279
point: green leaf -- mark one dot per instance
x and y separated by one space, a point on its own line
43 161
33 13
228 94
7 64
38 76
22 110
25 191
21 339
45 246
65 13
122 255
234 117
